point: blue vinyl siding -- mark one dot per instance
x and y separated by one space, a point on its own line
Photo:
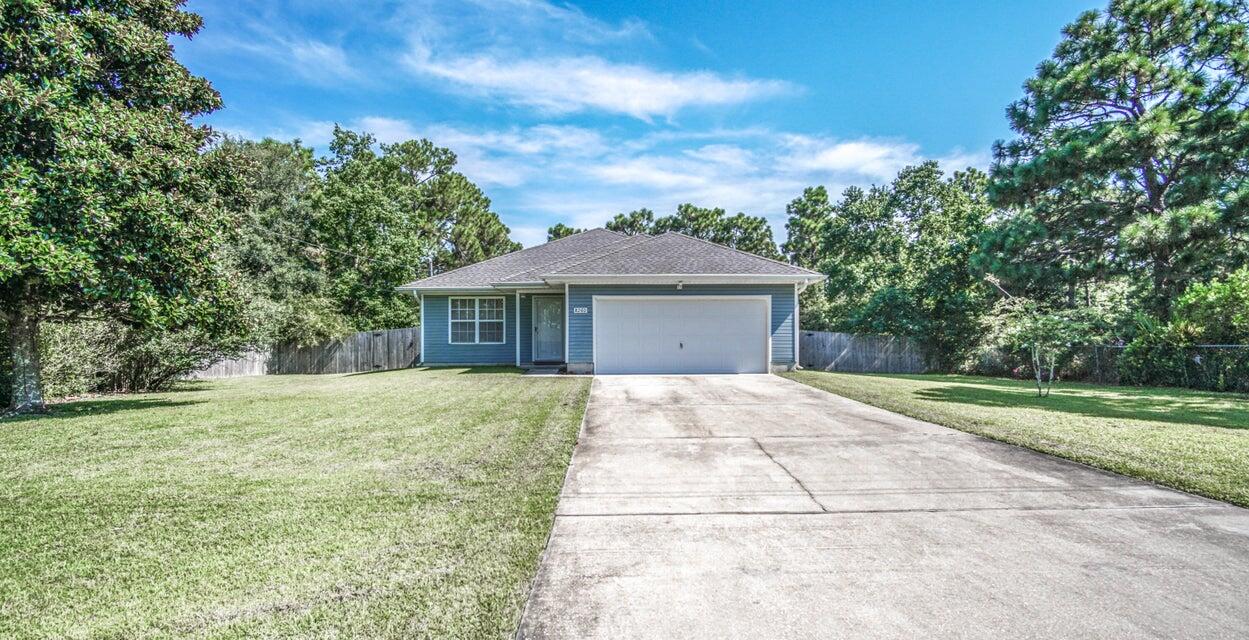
438 347
526 329
581 325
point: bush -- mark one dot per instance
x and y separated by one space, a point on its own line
1214 314
1157 356
77 357
1218 311
152 360
103 356
1171 356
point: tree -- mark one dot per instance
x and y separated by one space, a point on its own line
633 223
284 268
112 207
1049 336
467 230
897 260
740 231
385 214
808 215
747 233
860 251
1132 150
560 230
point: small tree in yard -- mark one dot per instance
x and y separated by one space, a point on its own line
110 205
1048 336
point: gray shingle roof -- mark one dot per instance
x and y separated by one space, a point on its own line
600 252
506 266
675 253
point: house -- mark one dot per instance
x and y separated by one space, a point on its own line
604 302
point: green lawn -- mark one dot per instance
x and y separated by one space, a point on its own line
1195 441
401 504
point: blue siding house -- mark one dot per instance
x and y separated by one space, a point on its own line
608 303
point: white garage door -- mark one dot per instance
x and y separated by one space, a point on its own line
680 334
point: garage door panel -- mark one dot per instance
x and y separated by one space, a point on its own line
681 335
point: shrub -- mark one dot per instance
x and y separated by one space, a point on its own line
149 360
77 357
1157 356
1215 314
104 356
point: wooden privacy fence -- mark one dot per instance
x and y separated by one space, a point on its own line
364 351
830 351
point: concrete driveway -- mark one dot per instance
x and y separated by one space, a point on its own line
757 507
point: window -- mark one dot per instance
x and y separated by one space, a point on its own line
476 321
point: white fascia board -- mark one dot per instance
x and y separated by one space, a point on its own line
440 291
518 285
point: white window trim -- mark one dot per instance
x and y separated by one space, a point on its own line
477 319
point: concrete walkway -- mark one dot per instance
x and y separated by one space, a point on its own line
757 507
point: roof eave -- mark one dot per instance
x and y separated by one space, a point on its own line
683 278
416 288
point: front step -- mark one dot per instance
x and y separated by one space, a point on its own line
545 370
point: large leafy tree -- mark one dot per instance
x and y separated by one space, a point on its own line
860 249
809 215
897 259
111 205
387 214
1132 151
277 250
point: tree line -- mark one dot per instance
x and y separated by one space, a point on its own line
136 245
1117 215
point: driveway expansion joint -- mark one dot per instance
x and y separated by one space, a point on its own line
790 474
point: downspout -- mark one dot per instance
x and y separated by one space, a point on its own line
424 322
796 292
567 320
517 323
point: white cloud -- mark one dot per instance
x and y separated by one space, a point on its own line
309 59
568 20
723 154
958 160
386 130
876 159
562 85
528 235
318 60
540 139
543 174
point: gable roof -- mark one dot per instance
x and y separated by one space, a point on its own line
516 263
675 253
600 255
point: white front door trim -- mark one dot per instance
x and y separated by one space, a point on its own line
533 322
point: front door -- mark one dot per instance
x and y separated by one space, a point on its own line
548 329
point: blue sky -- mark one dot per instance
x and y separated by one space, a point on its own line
574 112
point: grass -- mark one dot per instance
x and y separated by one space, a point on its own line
1189 440
401 504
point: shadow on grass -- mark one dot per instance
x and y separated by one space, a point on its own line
459 370
98 407
1157 405
499 369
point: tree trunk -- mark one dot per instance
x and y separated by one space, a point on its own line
27 397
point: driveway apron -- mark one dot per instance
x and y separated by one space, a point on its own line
751 506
